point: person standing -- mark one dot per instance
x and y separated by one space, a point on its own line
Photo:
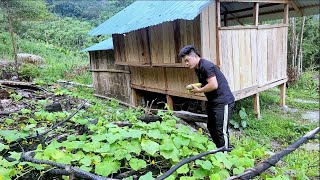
215 86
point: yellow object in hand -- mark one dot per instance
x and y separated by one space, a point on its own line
189 87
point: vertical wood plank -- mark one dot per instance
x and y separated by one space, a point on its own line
242 57
254 56
212 32
248 59
285 58
197 33
236 60
177 39
205 51
264 54
270 54
183 32
165 43
279 52
229 60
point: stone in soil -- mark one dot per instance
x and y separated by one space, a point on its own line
312 116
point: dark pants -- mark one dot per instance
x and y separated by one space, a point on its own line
218 123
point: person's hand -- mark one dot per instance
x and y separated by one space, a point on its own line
195 89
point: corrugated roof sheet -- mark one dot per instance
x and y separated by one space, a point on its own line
103 45
141 14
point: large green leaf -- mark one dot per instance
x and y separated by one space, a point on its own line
120 154
106 168
147 176
137 164
183 169
181 141
135 146
154 133
132 133
86 161
204 164
150 147
104 148
2 147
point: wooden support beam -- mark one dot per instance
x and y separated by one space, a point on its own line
286 14
256 14
283 94
296 8
218 25
225 20
169 102
250 8
218 13
256 105
135 97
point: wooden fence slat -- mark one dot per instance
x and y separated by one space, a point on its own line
236 60
254 57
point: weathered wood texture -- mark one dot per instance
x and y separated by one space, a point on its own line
208 33
164 80
253 57
157 45
113 83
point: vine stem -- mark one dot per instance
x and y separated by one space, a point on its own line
187 160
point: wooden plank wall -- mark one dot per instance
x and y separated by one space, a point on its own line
208 33
132 48
251 57
157 45
106 82
168 38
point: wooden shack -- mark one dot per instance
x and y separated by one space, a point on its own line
147 36
109 80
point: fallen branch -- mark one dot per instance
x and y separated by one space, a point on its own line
187 160
187 116
255 171
19 84
67 168
74 83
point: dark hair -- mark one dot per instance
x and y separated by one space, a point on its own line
187 50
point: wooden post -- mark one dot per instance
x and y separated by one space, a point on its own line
283 94
225 20
135 97
218 14
286 14
169 102
218 25
256 105
256 14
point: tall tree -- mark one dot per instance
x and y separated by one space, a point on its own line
16 11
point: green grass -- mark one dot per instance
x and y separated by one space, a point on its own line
60 63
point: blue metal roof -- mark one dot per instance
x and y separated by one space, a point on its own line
103 45
141 14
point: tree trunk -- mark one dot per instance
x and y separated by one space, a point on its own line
12 38
300 46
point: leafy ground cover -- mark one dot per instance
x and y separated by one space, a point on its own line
93 141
